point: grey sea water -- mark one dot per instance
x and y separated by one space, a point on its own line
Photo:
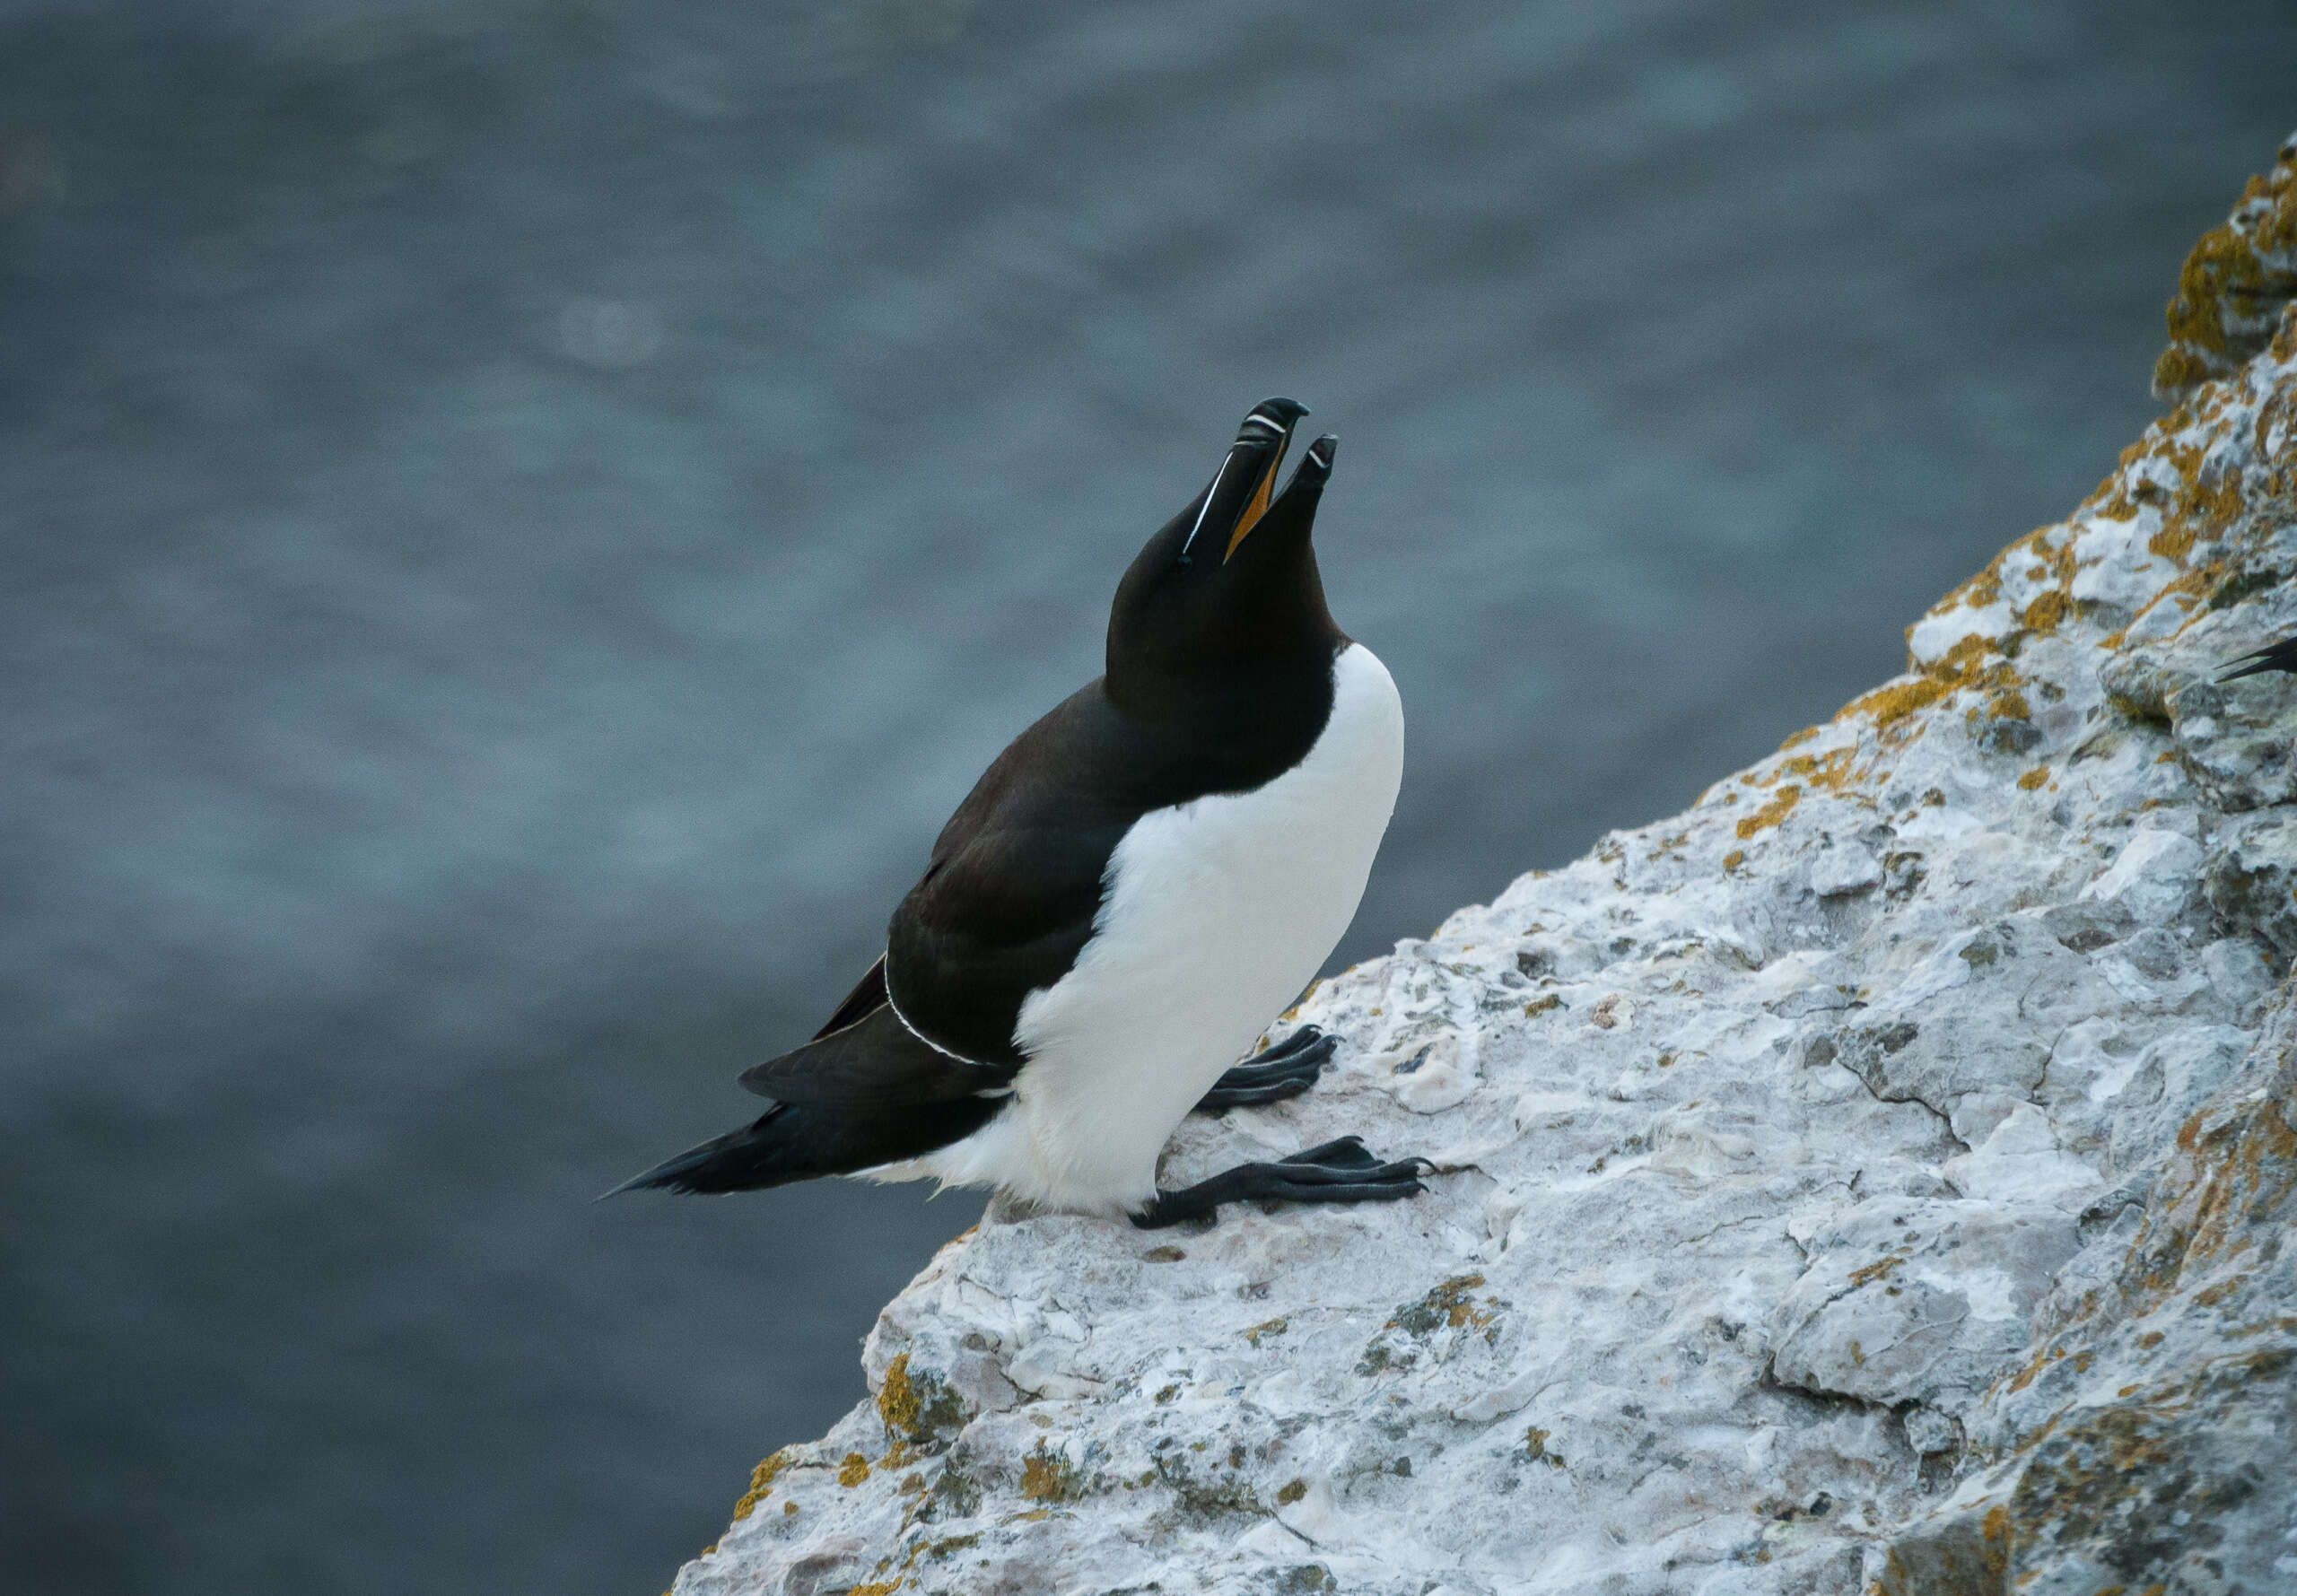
520 520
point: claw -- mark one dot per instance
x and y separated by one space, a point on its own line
1287 1070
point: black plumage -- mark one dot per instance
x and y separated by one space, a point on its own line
1220 677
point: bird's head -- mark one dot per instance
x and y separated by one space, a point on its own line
1227 590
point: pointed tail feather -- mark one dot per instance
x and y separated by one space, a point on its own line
739 1161
803 1142
2280 656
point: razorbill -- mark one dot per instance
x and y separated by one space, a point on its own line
1133 891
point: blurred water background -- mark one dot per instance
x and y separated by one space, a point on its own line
520 520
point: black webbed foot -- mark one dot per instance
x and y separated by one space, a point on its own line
1342 1171
1285 1070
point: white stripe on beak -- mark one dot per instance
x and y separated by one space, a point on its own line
1211 493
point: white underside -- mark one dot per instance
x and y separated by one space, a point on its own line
1216 913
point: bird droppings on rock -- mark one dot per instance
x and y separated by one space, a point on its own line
1915 1227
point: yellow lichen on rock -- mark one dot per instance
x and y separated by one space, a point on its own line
2174 541
2234 284
1976 592
2202 504
897 1403
917 1405
1046 1476
2041 617
2191 482
1961 666
762 1479
1446 1303
2189 591
1782 804
1818 772
1896 701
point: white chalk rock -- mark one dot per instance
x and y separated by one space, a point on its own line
2020 1162
1914 1301
2157 876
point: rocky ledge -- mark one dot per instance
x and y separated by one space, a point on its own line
1873 1179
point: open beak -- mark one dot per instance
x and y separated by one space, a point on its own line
1270 426
1240 495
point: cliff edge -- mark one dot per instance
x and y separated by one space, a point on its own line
1871 1180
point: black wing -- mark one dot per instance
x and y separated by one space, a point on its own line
1016 879
877 1062
1002 909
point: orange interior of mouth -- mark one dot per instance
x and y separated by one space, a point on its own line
1258 506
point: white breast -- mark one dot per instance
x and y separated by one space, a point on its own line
1215 914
